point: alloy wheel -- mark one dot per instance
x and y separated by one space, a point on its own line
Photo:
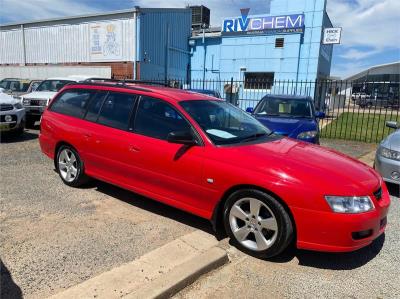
253 224
68 165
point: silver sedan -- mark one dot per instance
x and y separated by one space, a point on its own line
387 159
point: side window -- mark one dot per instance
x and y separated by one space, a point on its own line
155 118
94 106
72 102
116 110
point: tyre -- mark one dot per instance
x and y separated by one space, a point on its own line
257 223
70 167
30 123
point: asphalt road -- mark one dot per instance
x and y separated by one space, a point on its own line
54 236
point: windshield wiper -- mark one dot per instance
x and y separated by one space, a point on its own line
253 137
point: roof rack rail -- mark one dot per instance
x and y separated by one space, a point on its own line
123 81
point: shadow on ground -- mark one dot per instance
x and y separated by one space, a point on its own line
394 189
153 206
8 137
333 261
8 288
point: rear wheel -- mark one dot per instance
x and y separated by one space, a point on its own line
257 223
70 167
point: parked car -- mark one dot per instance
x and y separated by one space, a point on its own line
12 114
379 100
17 87
209 92
210 158
36 101
387 159
359 95
291 116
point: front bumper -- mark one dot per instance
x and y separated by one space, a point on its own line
387 168
335 232
18 120
36 111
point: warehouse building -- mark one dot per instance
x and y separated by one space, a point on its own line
285 43
139 43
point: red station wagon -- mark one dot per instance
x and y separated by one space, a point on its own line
207 157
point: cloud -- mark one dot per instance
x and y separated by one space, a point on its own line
354 54
29 10
370 29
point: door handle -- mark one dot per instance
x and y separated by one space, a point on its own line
134 149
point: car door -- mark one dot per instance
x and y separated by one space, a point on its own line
108 140
173 172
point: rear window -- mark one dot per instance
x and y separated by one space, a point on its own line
72 103
116 110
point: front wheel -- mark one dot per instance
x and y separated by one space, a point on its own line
257 223
70 167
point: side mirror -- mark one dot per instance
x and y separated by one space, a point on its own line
320 114
392 125
249 110
182 137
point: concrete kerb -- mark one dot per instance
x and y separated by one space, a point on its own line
163 271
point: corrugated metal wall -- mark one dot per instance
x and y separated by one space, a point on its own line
153 43
62 43
11 50
43 72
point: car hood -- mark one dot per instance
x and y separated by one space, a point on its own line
392 141
40 95
301 163
288 126
7 99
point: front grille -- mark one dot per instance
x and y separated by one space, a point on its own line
378 193
6 107
38 102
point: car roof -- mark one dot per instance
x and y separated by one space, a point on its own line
287 97
172 93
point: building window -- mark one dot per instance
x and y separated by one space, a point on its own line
279 42
258 80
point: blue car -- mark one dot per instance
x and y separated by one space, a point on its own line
291 116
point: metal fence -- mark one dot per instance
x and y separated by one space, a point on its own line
354 110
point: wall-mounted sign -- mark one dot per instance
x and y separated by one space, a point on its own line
332 36
105 41
263 24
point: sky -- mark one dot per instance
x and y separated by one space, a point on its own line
370 35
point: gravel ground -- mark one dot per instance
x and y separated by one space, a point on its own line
352 148
54 236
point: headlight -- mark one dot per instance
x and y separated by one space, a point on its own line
8 118
26 102
18 106
353 204
390 154
307 134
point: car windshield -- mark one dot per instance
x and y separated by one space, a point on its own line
283 107
224 123
14 85
52 85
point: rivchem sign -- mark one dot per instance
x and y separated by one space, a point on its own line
263 24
